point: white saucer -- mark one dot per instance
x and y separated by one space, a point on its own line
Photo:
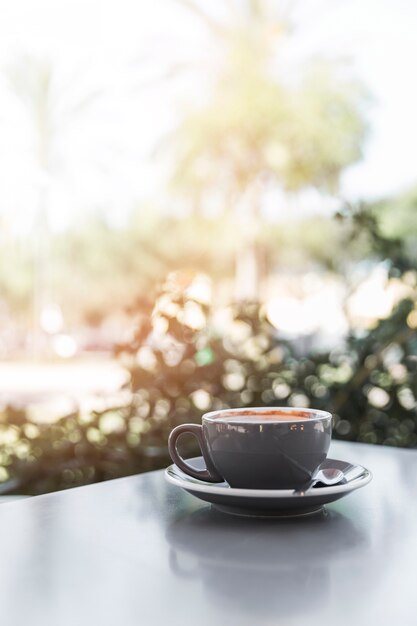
269 502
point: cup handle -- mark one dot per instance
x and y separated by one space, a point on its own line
209 474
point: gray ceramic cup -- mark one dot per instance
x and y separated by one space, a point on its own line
258 448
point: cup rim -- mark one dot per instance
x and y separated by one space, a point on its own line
314 415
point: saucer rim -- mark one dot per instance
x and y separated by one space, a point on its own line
204 487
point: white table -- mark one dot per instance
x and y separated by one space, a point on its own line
137 551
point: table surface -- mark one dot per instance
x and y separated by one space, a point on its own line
138 551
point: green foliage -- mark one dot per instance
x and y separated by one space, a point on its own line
398 216
392 249
398 220
185 360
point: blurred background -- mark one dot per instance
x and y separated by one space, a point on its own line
202 205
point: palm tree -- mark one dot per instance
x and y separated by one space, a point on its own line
52 107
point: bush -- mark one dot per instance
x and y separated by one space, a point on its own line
184 360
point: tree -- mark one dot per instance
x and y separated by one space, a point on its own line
265 127
398 218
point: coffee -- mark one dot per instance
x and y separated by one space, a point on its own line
261 416
259 448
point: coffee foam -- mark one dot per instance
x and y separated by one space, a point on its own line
254 417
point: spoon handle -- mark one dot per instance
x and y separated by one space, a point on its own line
327 476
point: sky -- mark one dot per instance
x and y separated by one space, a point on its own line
133 54
379 37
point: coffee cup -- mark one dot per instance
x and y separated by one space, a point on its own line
258 448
